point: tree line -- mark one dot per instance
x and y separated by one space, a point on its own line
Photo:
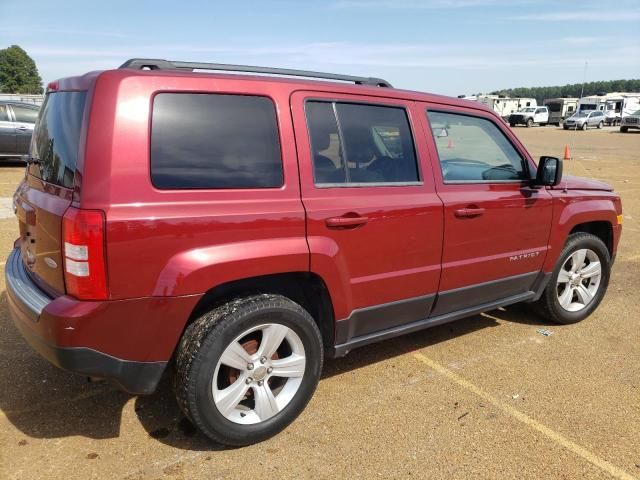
573 90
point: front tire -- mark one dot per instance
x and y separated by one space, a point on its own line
624 129
600 125
578 282
529 123
584 126
246 369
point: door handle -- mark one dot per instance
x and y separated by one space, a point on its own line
21 128
344 222
469 212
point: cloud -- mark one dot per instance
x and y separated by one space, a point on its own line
582 16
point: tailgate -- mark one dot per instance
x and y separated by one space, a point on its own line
47 192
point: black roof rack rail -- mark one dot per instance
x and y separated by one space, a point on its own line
157 64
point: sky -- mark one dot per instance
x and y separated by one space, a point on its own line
451 47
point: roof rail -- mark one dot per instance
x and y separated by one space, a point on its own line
157 64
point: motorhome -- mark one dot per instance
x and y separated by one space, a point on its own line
505 106
615 105
560 108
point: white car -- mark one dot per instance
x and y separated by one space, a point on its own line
529 116
630 122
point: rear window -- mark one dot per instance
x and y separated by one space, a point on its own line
214 141
57 135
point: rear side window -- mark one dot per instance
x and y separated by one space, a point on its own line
474 149
214 141
25 114
360 144
57 135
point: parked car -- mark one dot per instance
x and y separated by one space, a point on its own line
16 126
243 228
630 122
584 119
530 116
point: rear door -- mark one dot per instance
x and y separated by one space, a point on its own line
496 227
47 192
7 132
374 221
25 118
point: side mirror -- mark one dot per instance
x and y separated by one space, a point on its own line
549 171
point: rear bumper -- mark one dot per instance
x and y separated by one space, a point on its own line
128 341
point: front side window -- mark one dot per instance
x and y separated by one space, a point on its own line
201 140
4 113
474 149
360 144
25 114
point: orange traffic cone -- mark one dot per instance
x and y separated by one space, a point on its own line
567 155
450 143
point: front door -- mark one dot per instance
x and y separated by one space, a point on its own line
496 226
374 221
25 118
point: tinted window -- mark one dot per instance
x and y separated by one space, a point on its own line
355 143
4 113
25 114
57 135
214 141
474 149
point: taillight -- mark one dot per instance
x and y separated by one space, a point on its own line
85 271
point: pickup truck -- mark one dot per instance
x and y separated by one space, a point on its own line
530 116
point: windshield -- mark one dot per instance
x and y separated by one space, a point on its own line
57 135
637 112
581 115
530 109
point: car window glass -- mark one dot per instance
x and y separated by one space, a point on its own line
4 113
473 149
214 141
356 143
25 114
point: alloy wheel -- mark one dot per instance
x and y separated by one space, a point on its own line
258 374
578 280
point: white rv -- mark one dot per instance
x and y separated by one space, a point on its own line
615 106
505 106
560 108
620 105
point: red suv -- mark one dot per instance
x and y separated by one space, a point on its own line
242 227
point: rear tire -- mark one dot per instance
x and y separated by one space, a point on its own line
529 123
512 125
565 127
543 124
265 351
550 305
624 129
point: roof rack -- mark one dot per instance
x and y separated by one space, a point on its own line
156 64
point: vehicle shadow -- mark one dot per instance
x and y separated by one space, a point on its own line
42 401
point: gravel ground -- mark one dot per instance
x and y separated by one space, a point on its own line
485 397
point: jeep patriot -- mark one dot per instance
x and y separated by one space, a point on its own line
239 228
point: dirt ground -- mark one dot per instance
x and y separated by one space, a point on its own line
485 397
